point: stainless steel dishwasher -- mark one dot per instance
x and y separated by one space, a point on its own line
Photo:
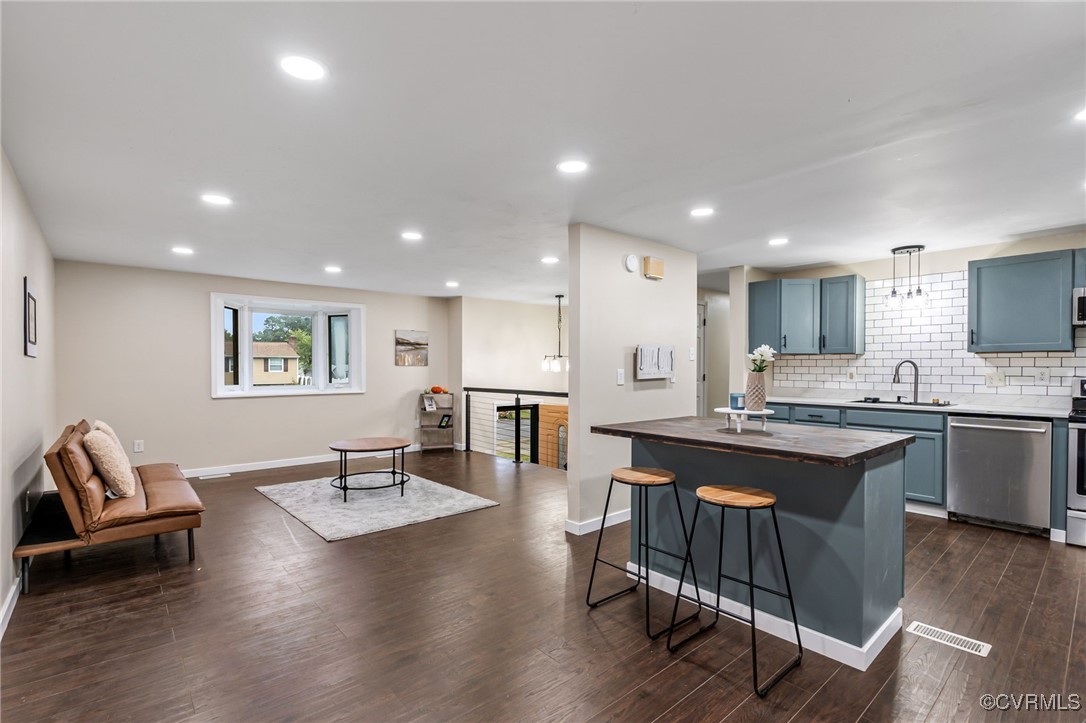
1000 471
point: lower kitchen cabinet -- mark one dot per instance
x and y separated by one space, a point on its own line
925 467
925 462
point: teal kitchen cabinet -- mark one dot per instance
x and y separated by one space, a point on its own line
781 413
1080 268
784 313
925 466
816 416
1021 303
925 459
843 300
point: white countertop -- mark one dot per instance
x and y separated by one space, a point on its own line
982 404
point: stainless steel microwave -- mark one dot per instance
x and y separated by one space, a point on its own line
1078 308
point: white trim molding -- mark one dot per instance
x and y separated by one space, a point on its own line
851 655
593 525
9 605
227 469
1058 536
924 508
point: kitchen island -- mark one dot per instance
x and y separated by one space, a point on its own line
841 507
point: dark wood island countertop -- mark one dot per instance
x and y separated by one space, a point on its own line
796 443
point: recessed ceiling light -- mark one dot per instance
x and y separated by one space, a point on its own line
216 199
333 269
702 211
1081 115
411 236
452 284
778 241
549 259
182 251
573 166
302 68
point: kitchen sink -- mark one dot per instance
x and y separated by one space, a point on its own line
910 404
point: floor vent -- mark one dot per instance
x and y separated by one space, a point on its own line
214 476
948 638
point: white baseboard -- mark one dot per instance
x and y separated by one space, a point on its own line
1058 536
593 525
923 508
851 655
9 604
272 463
459 446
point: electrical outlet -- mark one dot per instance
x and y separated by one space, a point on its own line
137 445
995 379
851 374
620 377
1041 377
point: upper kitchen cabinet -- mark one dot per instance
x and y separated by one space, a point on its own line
808 316
1080 268
843 299
784 313
1021 303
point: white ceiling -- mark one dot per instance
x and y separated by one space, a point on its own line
849 128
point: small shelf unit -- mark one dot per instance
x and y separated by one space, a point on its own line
432 435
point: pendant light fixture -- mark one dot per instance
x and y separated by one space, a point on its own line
554 362
913 296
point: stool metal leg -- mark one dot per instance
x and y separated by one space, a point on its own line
596 558
794 663
689 560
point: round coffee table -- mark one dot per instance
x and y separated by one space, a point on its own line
364 445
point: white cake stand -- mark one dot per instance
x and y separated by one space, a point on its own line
740 415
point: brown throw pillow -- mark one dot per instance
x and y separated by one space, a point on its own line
111 462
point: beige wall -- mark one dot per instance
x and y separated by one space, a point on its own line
111 319
456 367
717 348
739 277
505 342
611 312
27 392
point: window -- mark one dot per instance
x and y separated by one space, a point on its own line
230 346
266 347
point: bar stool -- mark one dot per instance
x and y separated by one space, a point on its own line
747 499
642 479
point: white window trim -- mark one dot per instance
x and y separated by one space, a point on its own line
320 310
281 360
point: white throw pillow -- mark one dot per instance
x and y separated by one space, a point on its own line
111 462
103 427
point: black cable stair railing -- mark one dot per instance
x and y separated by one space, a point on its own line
502 426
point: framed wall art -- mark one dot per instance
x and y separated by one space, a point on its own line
412 348
30 319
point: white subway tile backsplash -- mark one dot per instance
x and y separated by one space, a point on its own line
936 338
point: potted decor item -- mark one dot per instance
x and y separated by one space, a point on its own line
759 359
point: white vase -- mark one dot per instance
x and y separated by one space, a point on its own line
755 391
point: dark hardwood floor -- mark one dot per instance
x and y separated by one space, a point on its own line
481 616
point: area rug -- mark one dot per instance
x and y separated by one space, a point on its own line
320 507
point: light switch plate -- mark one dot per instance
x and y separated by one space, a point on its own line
620 377
137 445
693 353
